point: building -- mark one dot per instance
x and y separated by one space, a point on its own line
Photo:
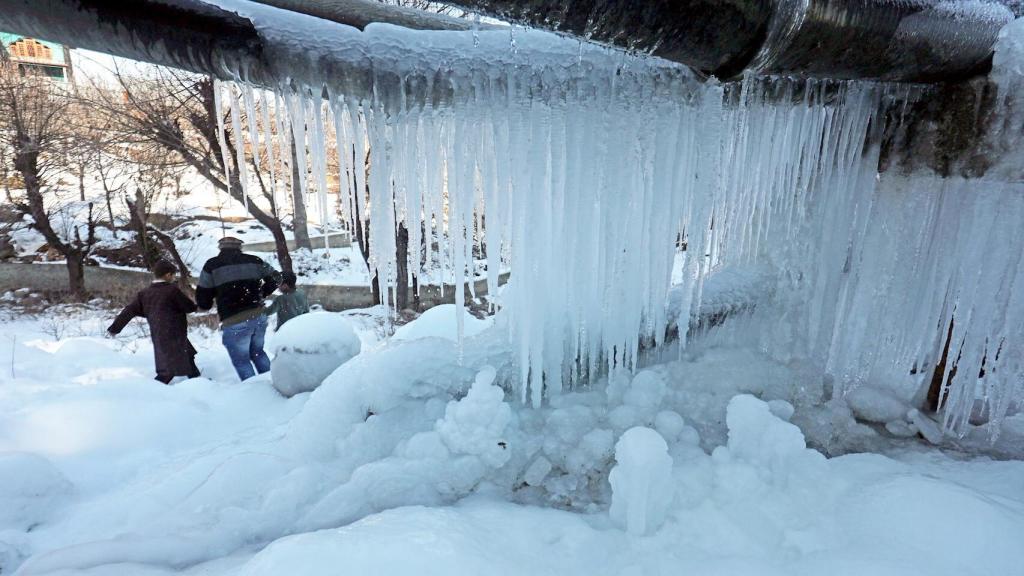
34 56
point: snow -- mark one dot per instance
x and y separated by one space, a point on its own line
410 457
309 348
31 491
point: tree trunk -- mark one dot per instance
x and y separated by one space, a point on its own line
284 258
299 220
81 182
362 231
139 223
76 275
110 211
26 162
402 261
184 276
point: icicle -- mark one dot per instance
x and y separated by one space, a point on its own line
268 139
320 148
221 140
254 128
236 129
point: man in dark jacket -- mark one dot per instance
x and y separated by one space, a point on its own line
165 308
239 283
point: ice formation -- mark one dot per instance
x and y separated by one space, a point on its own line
584 170
641 481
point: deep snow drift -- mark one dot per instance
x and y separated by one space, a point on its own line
117 474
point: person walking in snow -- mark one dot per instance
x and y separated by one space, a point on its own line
291 303
165 307
239 283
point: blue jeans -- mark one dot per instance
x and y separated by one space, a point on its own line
244 342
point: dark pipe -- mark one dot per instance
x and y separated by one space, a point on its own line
898 41
187 34
707 35
908 41
360 13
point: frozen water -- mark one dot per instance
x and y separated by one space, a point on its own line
308 349
476 424
641 481
768 187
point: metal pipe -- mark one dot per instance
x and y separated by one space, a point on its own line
917 40
907 41
361 13
190 35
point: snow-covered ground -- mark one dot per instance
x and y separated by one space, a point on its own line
409 460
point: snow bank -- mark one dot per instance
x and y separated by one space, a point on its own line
761 505
308 348
641 481
31 490
442 322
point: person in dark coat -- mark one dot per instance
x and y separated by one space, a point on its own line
165 307
238 283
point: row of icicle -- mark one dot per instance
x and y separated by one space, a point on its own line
583 194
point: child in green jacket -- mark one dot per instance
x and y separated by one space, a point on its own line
291 303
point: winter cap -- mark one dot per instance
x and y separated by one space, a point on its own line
163 268
229 242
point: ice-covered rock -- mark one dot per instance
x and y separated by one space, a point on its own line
928 428
442 322
641 481
31 489
876 405
537 471
308 348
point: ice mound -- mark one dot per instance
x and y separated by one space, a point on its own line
764 449
308 348
475 424
1008 61
641 481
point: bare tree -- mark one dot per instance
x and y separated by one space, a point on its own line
174 113
34 125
